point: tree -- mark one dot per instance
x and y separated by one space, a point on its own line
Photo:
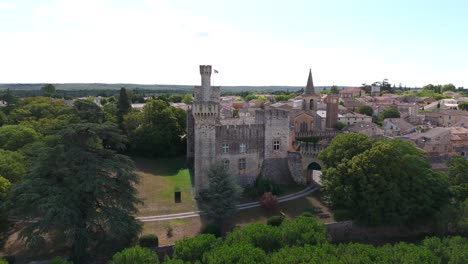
12 165
88 111
269 201
14 137
344 147
390 112
305 254
123 105
161 131
303 230
365 110
191 249
449 87
4 186
463 106
48 90
81 191
10 100
458 176
377 184
334 90
340 125
135 255
237 253
219 201
266 237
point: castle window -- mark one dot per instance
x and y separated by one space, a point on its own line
303 127
225 148
242 148
241 164
276 145
226 164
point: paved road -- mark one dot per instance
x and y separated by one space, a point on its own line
281 199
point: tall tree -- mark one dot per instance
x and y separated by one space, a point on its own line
219 201
334 90
80 190
365 110
123 105
376 185
48 90
88 111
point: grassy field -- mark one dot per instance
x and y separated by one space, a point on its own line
159 179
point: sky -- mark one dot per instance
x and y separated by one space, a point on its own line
249 42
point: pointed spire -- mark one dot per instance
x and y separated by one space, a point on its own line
309 90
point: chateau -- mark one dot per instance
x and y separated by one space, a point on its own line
253 141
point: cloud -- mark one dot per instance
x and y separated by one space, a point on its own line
7 5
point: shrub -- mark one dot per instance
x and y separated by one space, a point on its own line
148 241
60 260
238 253
307 214
275 220
192 248
303 230
269 201
265 185
342 215
8 259
135 255
266 237
2 261
169 231
212 229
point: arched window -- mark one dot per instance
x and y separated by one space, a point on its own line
311 104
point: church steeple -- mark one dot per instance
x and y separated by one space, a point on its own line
309 90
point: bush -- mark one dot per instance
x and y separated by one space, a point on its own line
135 255
275 220
265 185
303 230
266 237
269 201
60 260
238 253
342 215
192 248
2 261
8 259
148 241
169 230
307 214
212 229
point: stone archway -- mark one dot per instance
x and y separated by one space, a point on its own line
314 173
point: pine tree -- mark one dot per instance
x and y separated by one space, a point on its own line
219 201
123 105
80 190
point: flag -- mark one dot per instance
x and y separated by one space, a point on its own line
215 71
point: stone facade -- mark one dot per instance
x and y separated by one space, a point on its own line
253 141
250 144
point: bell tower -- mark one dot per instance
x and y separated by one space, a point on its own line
310 99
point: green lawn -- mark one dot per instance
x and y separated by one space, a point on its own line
159 179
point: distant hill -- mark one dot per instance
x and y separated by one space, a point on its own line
151 87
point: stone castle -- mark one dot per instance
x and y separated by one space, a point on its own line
255 141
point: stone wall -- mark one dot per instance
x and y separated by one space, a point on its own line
295 167
347 231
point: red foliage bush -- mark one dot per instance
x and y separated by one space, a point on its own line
269 201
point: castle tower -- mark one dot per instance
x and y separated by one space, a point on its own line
332 112
309 97
205 112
